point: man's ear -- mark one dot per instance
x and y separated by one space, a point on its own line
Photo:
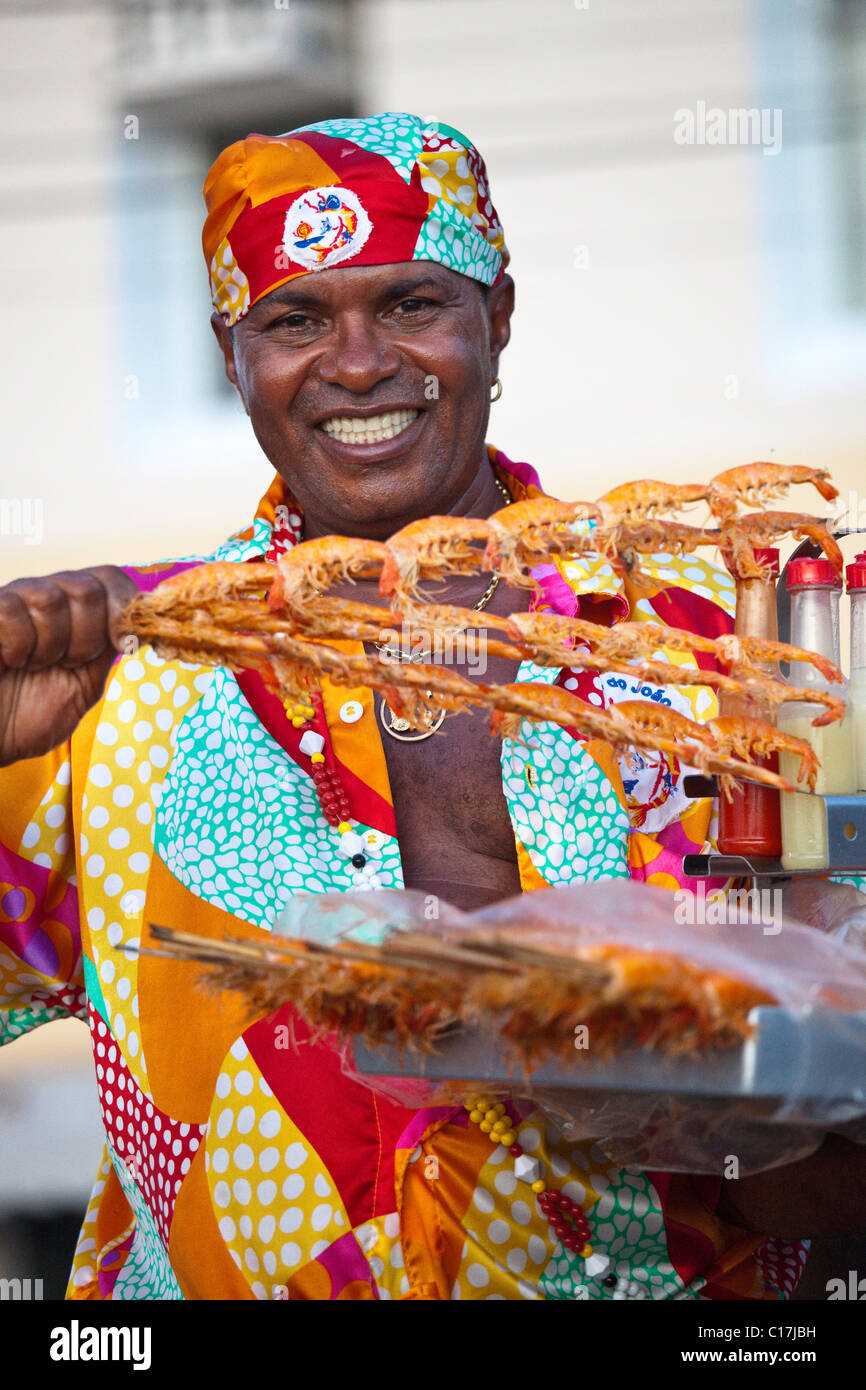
223 335
500 307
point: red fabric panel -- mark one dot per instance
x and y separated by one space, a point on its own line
354 1131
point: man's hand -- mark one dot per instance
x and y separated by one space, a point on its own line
836 909
58 639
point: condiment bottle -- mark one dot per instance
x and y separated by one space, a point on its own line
856 576
813 585
750 822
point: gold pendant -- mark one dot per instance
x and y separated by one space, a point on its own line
401 728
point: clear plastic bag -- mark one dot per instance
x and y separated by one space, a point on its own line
766 1102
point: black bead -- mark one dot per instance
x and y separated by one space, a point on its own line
610 1281
358 861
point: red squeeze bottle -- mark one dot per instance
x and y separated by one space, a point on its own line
750 823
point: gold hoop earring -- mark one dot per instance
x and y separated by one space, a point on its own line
497 387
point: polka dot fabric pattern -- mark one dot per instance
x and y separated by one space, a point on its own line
239 1167
278 1206
396 136
146 1272
132 749
153 1150
240 824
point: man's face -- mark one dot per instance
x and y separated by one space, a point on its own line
368 388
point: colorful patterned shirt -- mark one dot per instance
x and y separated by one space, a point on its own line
237 1165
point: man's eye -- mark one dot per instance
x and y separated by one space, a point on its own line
291 321
414 304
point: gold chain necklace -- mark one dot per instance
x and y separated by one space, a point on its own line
399 728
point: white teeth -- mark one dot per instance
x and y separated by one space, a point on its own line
349 429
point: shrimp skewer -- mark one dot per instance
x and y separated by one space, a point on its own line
754 483
311 567
431 548
742 651
206 585
696 744
632 640
732 734
289 662
631 723
741 534
528 532
623 541
640 500
544 636
536 982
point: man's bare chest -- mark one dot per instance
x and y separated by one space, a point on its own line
453 826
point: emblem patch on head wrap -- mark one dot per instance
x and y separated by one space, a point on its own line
325 226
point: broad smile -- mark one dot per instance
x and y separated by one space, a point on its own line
371 429
368 440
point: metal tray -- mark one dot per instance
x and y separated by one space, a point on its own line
787 1044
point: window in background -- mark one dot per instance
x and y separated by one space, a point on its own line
846 21
193 76
811 64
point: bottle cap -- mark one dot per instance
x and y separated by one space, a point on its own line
808 574
767 557
855 573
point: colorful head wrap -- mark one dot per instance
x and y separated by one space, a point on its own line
371 191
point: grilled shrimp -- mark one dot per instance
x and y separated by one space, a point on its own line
545 637
741 534
631 723
752 737
743 651
534 700
305 571
204 585
632 640
527 532
695 744
625 641
622 541
755 483
646 498
430 549
661 720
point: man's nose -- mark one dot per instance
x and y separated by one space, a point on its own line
358 355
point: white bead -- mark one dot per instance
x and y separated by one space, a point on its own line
351 711
527 1169
597 1266
619 1297
633 1290
350 844
311 742
374 881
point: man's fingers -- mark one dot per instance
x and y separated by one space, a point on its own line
120 590
17 633
88 617
68 619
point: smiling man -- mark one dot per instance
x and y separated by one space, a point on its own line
361 300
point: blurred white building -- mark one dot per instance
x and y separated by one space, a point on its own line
681 307
684 304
